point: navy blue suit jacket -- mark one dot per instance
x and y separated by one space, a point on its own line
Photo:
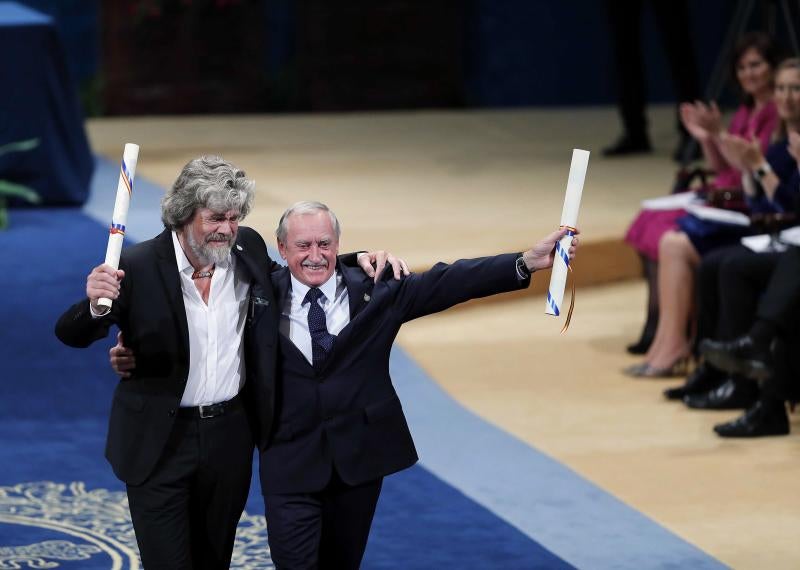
348 414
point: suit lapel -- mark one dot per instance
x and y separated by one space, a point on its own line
257 272
257 268
359 290
281 283
168 268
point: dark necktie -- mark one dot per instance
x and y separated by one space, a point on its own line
321 339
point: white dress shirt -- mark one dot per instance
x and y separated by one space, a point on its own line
294 314
216 332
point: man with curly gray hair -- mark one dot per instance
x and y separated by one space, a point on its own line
188 411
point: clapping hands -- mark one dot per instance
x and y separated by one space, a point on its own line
740 152
794 145
700 120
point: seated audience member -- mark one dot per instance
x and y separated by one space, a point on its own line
771 188
768 352
708 387
753 62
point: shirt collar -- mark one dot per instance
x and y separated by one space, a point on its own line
328 288
184 265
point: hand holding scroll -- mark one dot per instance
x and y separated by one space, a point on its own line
103 283
542 255
116 234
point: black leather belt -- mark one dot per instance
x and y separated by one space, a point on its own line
212 410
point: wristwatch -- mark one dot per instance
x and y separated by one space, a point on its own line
763 169
522 270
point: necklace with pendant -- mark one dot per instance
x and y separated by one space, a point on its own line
203 274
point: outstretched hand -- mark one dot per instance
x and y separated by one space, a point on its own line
542 255
379 259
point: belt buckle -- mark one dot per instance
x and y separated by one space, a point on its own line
208 411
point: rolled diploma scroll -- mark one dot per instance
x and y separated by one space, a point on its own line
569 218
127 170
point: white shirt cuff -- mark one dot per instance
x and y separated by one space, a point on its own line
97 314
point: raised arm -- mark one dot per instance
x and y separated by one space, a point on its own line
446 285
86 322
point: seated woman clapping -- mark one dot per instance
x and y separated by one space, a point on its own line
754 60
772 184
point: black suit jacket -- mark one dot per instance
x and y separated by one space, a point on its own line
151 314
348 415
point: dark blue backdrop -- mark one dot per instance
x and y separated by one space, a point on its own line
517 52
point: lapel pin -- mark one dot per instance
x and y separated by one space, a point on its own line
366 297
238 247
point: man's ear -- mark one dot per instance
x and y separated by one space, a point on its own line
281 249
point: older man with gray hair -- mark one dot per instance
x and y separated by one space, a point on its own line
186 414
339 424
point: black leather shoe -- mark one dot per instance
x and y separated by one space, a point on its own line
733 394
760 420
628 144
703 379
739 356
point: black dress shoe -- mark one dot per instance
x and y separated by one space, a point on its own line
703 379
733 394
739 356
764 418
628 144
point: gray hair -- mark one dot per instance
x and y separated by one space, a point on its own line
206 182
299 208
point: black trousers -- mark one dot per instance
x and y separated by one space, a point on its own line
185 514
672 18
780 306
730 282
756 286
326 530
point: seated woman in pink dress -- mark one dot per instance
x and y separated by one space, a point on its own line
755 58
680 251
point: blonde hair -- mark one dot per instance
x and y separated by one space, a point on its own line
792 63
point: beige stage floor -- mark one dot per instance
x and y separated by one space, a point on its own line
430 185
434 186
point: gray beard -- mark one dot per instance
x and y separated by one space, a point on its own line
208 254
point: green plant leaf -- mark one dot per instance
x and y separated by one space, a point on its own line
19 146
9 189
3 214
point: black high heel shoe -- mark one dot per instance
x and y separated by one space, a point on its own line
640 347
648 334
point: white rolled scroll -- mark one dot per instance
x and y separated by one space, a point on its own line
116 233
569 220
